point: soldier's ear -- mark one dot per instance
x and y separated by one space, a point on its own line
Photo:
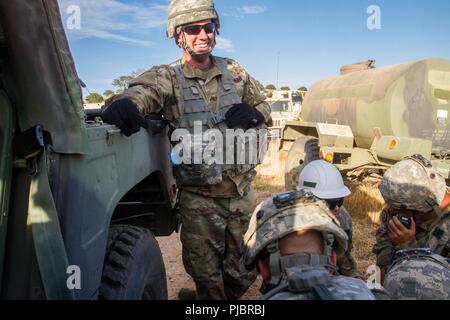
264 269
446 201
178 39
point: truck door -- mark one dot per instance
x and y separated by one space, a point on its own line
6 134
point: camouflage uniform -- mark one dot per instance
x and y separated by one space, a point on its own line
216 198
300 276
418 276
212 238
214 217
156 90
341 288
345 262
412 184
324 180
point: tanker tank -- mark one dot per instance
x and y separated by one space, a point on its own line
406 100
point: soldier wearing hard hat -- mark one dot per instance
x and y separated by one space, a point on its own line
291 240
325 181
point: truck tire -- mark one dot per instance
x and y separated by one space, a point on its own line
134 267
302 151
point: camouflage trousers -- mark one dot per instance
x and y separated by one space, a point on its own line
211 234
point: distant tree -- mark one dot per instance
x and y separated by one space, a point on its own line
108 93
136 73
271 87
94 98
121 83
285 88
302 89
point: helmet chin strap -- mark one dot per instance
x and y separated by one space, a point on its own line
278 263
196 56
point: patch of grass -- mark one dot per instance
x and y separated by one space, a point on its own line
266 187
364 205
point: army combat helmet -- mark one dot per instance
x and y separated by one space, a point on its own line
182 12
412 184
418 274
284 214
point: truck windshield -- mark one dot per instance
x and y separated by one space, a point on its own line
279 106
296 98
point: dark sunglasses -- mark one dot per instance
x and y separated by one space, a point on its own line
195 29
333 203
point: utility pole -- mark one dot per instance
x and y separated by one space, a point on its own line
278 66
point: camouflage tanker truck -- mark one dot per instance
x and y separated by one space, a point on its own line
80 204
366 120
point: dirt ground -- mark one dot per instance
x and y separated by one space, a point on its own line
364 205
177 278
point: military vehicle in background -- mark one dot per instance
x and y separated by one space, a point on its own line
366 119
80 203
285 107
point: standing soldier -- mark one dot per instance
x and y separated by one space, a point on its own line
217 93
416 213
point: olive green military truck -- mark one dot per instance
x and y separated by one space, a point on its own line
366 119
80 204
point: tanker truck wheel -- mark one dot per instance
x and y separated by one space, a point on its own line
134 267
302 151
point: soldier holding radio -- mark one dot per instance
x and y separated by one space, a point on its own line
417 211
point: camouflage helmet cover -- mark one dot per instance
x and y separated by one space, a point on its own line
413 184
269 223
183 12
419 277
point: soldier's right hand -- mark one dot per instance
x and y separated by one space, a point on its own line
398 234
125 114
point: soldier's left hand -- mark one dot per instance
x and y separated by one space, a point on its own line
398 234
242 114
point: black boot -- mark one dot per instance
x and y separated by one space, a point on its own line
187 294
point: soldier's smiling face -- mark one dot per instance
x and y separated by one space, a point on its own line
200 36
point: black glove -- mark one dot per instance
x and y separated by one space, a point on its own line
242 114
125 114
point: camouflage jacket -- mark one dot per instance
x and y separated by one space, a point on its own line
418 276
157 91
433 234
345 262
341 287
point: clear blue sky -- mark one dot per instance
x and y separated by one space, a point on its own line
311 38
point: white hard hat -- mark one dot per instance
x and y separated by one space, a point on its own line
323 179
